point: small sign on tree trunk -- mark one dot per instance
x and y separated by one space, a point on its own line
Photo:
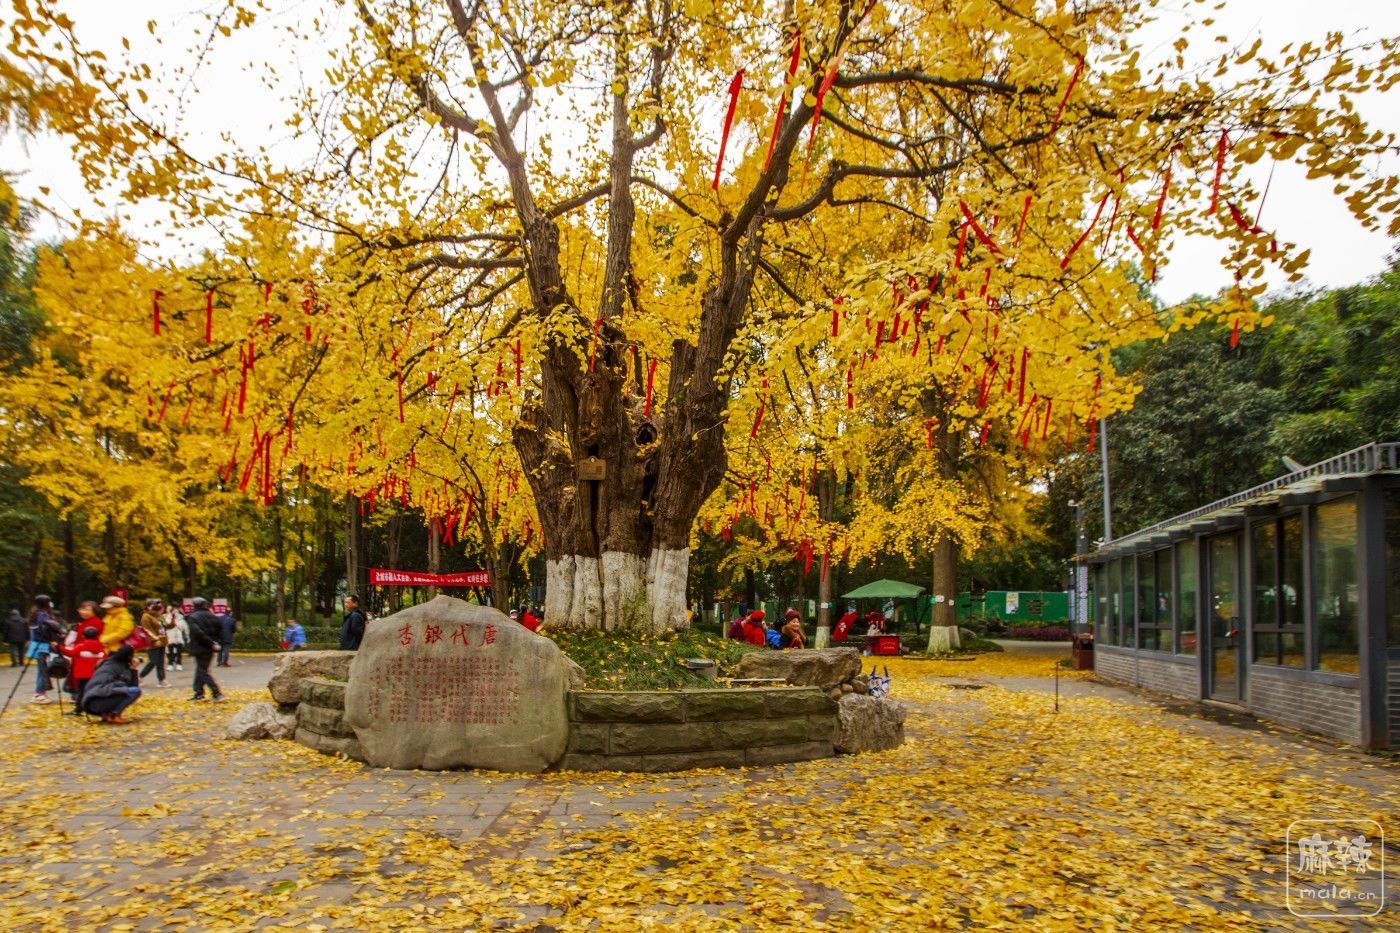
591 468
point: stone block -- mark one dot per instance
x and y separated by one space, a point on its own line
653 738
869 724
327 722
589 737
627 706
447 684
804 667
292 667
822 728
708 705
778 754
327 694
261 721
751 732
583 762
801 702
685 761
327 745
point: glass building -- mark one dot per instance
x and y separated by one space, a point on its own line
1282 600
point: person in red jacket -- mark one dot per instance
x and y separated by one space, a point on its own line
85 653
843 625
527 619
754 631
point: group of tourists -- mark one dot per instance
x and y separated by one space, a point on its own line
756 628
98 658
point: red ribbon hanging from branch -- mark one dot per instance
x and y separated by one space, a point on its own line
456 387
156 296
1074 79
1162 200
398 378
1025 212
735 86
1064 263
209 315
827 81
783 99
1220 150
977 229
651 379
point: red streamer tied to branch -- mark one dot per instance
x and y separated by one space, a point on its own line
209 315
651 380
1074 79
1064 263
735 86
977 229
155 311
783 100
1220 151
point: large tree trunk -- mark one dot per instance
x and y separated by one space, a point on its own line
280 580
947 451
354 552
826 510
68 604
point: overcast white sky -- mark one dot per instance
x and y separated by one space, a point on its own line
1301 211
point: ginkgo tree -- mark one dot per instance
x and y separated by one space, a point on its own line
614 217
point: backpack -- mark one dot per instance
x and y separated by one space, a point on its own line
139 639
58 666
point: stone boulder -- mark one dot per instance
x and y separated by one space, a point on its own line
261 721
802 667
868 724
292 667
448 684
576 677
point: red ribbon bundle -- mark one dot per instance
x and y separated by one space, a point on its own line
155 311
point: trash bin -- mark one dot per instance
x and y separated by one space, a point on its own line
1082 652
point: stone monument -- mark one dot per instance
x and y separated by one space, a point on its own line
449 684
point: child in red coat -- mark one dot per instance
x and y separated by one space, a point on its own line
86 653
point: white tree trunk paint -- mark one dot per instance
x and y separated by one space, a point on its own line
667 572
585 592
622 582
823 639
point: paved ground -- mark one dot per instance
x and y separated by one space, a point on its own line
1114 813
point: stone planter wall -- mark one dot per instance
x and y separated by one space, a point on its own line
321 719
678 730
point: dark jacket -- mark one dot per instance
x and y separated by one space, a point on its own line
16 629
111 678
205 632
44 628
352 630
227 626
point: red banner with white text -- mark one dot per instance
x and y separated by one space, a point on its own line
378 576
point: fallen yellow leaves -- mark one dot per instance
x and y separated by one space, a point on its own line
997 814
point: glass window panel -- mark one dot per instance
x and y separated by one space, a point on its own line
1126 614
1186 597
1290 594
1263 577
1291 649
1334 586
1146 600
1392 566
1115 599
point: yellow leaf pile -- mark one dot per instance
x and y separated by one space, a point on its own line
997 813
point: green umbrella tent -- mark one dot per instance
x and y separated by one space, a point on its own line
891 589
885 589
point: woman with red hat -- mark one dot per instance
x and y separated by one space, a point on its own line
754 632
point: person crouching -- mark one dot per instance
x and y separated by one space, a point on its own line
114 686
86 654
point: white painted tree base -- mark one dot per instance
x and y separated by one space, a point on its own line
620 591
